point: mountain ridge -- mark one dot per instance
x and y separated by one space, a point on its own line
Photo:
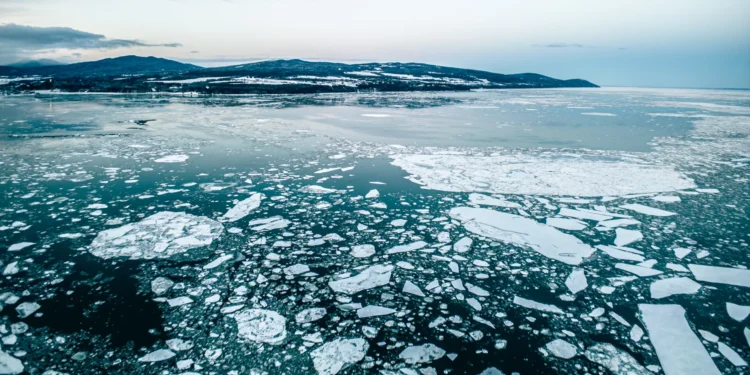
153 74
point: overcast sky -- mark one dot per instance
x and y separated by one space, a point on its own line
660 43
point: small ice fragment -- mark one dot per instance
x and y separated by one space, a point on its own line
315 189
172 159
363 251
372 310
576 281
411 288
373 194
536 305
26 309
310 315
562 349
160 285
407 248
398 222
421 354
242 208
374 276
646 210
20 246
638 270
678 348
259 325
721 275
338 354
626 236
731 355
158 355
636 333
676 285
463 245
737 312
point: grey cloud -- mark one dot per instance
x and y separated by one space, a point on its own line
21 41
560 45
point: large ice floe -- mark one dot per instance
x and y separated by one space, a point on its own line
160 235
538 175
678 348
259 325
525 232
336 355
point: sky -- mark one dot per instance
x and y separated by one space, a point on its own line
664 43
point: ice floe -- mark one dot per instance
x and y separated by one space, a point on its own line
407 248
242 208
646 210
538 175
737 312
638 270
20 246
157 356
421 354
562 349
172 159
363 251
568 224
626 236
260 325
536 305
721 275
615 360
372 277
10 365
462 245
676 285
522 231
576 281
678 348
372 310
270 223
336 355
731 355
485 200
310 315
158 236
315 189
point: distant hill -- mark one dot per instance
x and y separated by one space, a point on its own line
151 74
35 63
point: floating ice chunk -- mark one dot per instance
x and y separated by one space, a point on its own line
296 269
522 231
681 252
261 325
620 253
179 345
576 281
11 269
179 301
405 265
721 275
398 223
363 251
371 311
336 355
731 355
10 365
310 315
158 236
638 270
270 223
646 210
562 349
490 201
615 360
161 285
20 246
473 289
536 305
708 191
242 208
618 223
463 245
157 356
406 248
636 333
315 189
372 277
626 236
538 175
568 224
667 198
421 354
373 194
676 285
172 159
491 371
26 309
333 237
585 214
678 348
218 261
444 237
737 312
411 288
746 332
316 242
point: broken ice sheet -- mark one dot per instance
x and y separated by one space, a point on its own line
522 231
160 235
332 357
678 348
